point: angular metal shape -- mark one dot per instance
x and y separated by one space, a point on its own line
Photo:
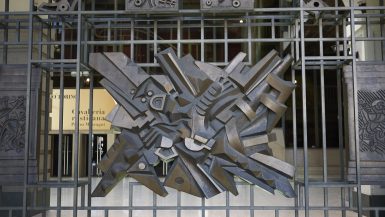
152 5
227 5
60 6
210 123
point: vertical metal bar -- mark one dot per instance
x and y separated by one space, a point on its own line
304 112
202 39
179 202
203 207
90 133
155 40
300 196
345 45
340 115
355 97
249 45
272 28
215 45
323 119
40 39
5 47
85 40
28 108
131 198
83 192
350 195
77 108
46 111
315 142
368 27
61 112
294 112
90 143
18 31
132 51
276 213
115 48
228 204
382 29
47 108
179 50
154 202
297 45
226 42
109 30
251 200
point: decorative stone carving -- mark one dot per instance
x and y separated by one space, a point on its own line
13 89
371 117
210 123
12 123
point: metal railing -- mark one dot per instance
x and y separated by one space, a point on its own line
94 30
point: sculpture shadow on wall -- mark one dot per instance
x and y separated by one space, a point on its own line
211 124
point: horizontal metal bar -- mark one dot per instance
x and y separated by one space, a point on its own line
328 58
191 11
224 207
55 184
54 61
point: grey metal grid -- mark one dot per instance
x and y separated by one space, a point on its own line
86 23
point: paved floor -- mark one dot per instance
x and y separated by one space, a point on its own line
215 207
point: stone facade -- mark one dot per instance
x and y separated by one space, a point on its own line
13 102
371 118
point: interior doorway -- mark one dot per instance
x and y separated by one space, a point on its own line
99 149
66 155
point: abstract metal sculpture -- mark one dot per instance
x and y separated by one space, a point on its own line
212 124
59 5
152 5
314 4
224 5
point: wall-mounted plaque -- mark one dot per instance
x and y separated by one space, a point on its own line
152 5
226 5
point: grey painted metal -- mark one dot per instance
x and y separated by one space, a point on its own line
294 34
61 116
340 119
327 61
227 5
77 109
217 101
59 6
355 99
90 143
323 118
304 111
152 6
28 109
5 34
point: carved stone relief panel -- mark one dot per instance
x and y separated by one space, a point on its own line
371 118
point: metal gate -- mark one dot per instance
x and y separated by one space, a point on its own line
59 43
